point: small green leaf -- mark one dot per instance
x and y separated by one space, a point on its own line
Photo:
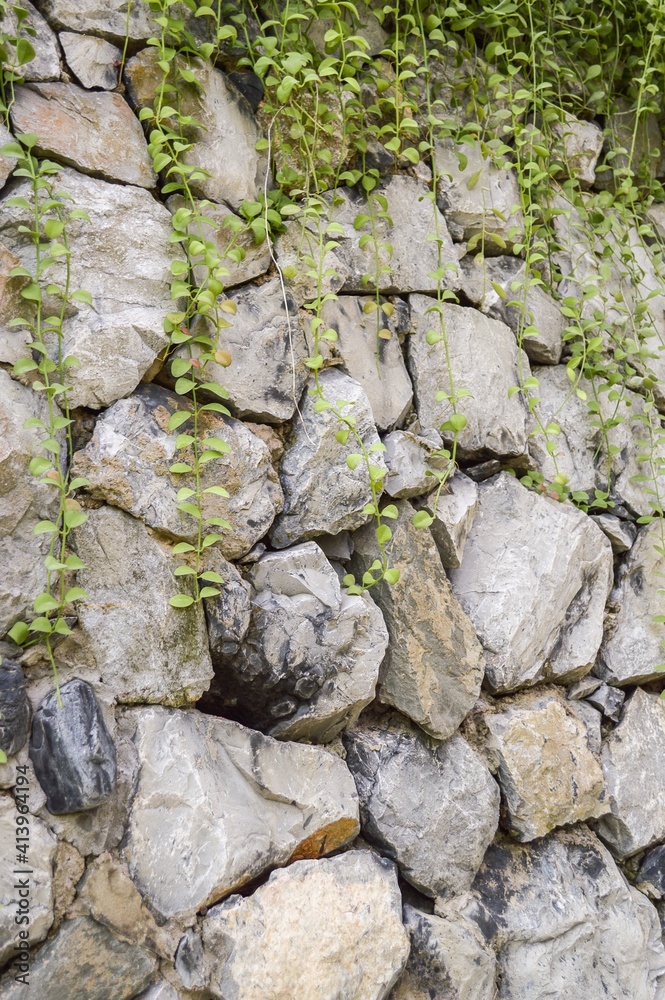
422 519
181 601
19 633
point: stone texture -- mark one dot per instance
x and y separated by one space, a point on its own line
110 19
71 750
409 456
224 134
565 923
128 460
650 878
633 761
68 868
228 614
592 720
432 806
534 580
96 133
453 516
621 533
581 145
433 667
264 948
123 258
38 862
376 363
46 64
485 360
14 708
93 60
608 700
7 166
310 662
321 493
547 774
217 805
632 649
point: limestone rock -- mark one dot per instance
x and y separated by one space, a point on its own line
401 774
547 774
68 868
608 700
376 363
564 922
110 19
453 517
621 533
228 614
582 144
651 875
489 209
485 360
321 493
122 256
41 846
217 805
71 750
224 134
632 650
320 930
449 959
96 133
583 688
14 708
94 61
46 64
409 456
189 961
534 580
633 761
433 667
128 460
85 960
310 662
592 720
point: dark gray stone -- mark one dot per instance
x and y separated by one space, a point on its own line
189 961
14 708
651 875
484 470
72 752
608 700
227 615
583 688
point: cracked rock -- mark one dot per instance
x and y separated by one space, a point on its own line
14 708
453 517
409 457
93 61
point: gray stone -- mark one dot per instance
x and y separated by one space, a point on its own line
321 930
96 133
608 700
651 875
638 135
310 661
633 761
449 958
482 358
7 166
14 708
547 774
453 515
434 666
217 805
71 750
487 211
431 806
534 580
564 922
376 362
228 614
322 495
110 19
85 960
189 961
123 258
409 457
621 533
581 145
656 216
162 990
46 64
128 459
224 132
94 61
483 470
632 650
583 688
592 720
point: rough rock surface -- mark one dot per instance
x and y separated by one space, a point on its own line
651 875
310 662
71 750
93 60
96 133
110 19
431 806
633 760
14 708
409 457
565 923
453 516
485 360
534 580
218 805
227 614
128 460
264 948
46 63
433 667
621 533
321 493
608 700
582 144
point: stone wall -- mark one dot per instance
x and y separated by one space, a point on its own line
448 787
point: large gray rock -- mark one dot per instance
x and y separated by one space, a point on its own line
122 256
94 61
322 495
534 580
46 64
410 457
112 19
223 132
71 750
633 760
128 459
14 708
96 133
632 650
453 514
482 357
321 930
217 805
434 665
311 658
564 922
581 144
431 806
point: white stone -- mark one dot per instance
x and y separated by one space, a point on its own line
581 145
409 458
94 61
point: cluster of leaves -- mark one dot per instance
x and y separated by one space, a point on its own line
16 50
